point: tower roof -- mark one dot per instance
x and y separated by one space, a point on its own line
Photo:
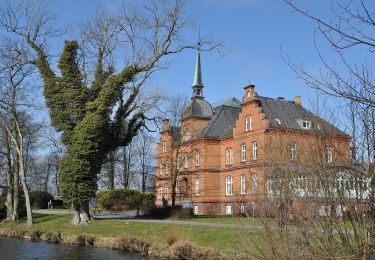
198 82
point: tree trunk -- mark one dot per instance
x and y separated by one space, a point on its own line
24 185
16 190
9 178
85 213
76 217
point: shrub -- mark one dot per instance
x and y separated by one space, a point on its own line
133 245
171 238
40 199
188 250
180 213
125 199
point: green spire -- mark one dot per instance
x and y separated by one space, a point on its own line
198 83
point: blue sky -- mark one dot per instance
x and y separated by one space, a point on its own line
254 32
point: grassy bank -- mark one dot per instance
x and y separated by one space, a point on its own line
162 240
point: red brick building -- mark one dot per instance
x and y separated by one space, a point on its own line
217 161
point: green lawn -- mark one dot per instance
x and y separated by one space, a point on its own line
225 240
232 220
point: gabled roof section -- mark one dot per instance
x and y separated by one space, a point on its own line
222 123
286 114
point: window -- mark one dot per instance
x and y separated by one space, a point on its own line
186 136
227 156
186 160
242 209
306 124
166 167
164 147
293 151
329 155
243 152
243 184
160 192
278 121
246 124
230 156
160 169
254 183
197 184
255 150
178 187
197 158
250 123
228 209
229 185
196 209
166 190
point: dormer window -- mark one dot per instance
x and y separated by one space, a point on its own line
278 121
306 124
250 123
246 124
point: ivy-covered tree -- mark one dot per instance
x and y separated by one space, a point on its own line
99 111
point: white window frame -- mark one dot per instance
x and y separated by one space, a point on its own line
306 124
227 156
197 185
166 190
243 152
230 156
161 169
293 151
164 147
160 192
329 154
229 185
228 210
243 184
178 187
251 123
166 167
186 160
246 124
196 209
254 183
242 209
197 158
255 150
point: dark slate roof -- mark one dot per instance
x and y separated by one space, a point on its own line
289 115
223 121
197 107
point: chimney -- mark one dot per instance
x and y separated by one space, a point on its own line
249 93
165 125
298 100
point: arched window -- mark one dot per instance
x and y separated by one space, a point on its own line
255 150
197 185
243 184
160 169
197 158
230 156
166 167
329 154
293 151
250 123
160 192
229 185
243 152
227 156
247 123
164 147
166 193
254 183
186 160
